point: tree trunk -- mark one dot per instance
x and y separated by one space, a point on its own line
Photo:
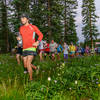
65 23
49 20
91 33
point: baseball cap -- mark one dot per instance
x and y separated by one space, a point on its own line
24 15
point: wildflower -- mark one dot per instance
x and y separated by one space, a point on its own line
49 79
63 64
97 82
96 64
55 81
96 78
70 88
98 85
58 74
76 82
43 71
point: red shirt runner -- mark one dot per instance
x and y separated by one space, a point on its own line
47 49
28 37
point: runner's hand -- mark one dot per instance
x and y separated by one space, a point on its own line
18 38
36 43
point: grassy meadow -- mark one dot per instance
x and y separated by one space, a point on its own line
77 79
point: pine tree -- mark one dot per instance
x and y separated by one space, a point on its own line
4 43
70 34
89 29
47 16
0 26
17 8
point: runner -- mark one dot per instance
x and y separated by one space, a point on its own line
72 50
53 47
82 51
19 50
87 50
46 49
27 32
59 50
41 50
78 51
66 49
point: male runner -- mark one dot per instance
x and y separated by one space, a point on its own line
53 47
27 32
72 50
19 51
41 50
46 49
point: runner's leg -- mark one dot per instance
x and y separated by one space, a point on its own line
18 58
58 56
25 63
53 56
40 54
33 66
29 67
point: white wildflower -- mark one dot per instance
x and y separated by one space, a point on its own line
96 64
76 82
43 71
70 88
58 74
55 81
49 79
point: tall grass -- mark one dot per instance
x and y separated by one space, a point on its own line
77 79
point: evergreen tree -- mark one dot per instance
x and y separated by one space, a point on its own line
4 30
70 34
17 8
47 16
89 29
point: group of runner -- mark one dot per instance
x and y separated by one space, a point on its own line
28 47
54 48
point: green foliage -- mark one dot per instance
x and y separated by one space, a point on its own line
40 14
48 16
77 79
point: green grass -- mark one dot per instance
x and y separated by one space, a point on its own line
78 79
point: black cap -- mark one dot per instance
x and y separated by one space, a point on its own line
24 15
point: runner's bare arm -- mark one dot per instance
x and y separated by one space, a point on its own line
36 43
